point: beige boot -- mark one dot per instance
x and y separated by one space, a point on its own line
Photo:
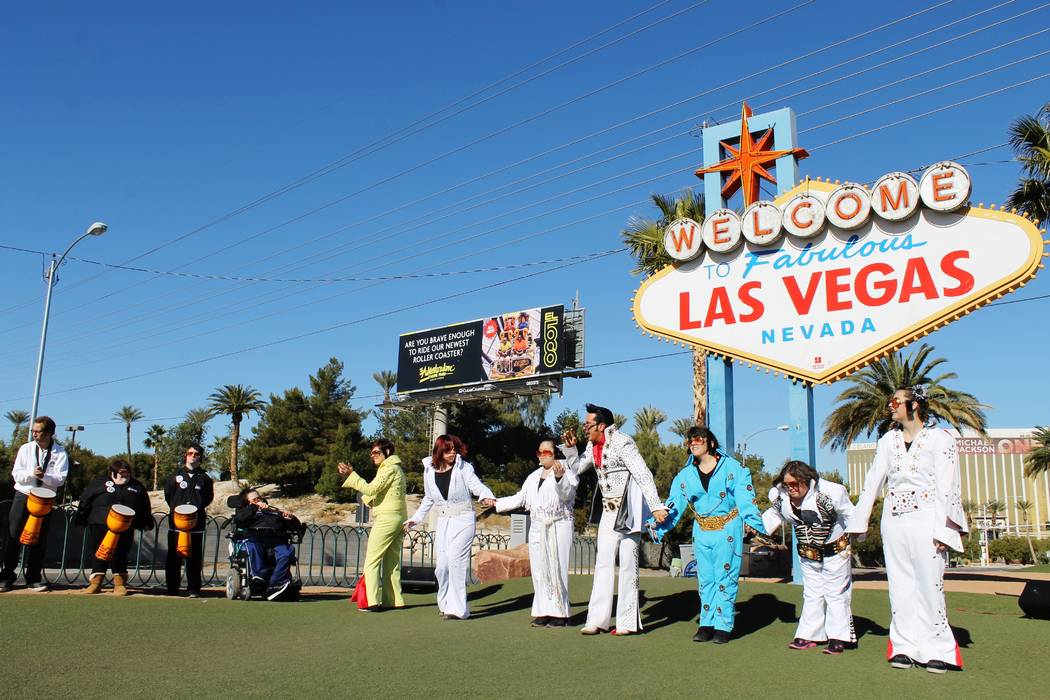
95 585
118 585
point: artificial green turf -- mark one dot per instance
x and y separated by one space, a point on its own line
147 646
1039 568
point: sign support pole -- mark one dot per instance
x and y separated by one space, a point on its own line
439 426
803 444
720 401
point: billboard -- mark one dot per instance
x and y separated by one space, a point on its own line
509 346
829 277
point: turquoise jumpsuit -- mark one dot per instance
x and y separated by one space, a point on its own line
718 552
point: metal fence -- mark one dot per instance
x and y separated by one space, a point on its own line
329 555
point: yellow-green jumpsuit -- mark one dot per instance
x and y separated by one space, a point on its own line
385 494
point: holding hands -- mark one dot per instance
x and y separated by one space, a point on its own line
488 502
409 524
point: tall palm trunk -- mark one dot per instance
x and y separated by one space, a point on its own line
129 444
700 386
235 435
156 466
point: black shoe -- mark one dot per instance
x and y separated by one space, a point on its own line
936 666
557 622
835 647
703 634
901 661
277 591
539 622
721 637
7 586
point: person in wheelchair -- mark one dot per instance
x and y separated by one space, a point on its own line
268 529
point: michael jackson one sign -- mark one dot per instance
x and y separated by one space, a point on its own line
829 277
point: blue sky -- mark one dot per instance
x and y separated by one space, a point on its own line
165 121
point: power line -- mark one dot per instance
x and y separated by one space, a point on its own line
364 150
780 65
334 280
212 316
124 322
327 329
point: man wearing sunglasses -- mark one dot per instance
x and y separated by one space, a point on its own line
625 481
41 462
190 485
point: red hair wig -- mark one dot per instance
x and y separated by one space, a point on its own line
442 444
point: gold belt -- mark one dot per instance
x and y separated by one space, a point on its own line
714 522
829 549
610 504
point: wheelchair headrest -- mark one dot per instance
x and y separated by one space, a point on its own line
235 501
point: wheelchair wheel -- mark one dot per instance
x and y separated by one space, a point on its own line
233 585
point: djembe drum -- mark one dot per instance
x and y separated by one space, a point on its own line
184 518
39 504
118 521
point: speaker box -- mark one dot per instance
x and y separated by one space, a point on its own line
1035 599
418 577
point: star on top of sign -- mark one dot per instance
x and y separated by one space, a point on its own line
747 162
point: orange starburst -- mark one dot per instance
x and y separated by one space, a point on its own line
747 162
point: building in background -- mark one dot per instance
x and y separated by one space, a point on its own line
992 470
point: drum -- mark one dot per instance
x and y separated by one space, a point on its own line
39 504
184 518
118 521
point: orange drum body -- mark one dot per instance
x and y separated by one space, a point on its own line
39 504
118 521
184 518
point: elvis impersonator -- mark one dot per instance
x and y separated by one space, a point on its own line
548 495
622 476
818 510
717 490
921 518
449 482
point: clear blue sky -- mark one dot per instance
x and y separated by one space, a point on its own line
160 120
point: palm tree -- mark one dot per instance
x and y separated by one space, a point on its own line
648 418
1030 139
18 419
992 508
863 405
644 239
387 380
619 420
128 414
1037 460
235 400
154 438
1023 507
681 426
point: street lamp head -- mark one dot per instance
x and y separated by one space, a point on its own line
97 228
783 427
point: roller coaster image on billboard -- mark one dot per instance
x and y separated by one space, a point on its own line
514 345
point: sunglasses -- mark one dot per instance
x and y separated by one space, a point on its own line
450 450
192 453
376 452
793 485
896 403
698 441
544 453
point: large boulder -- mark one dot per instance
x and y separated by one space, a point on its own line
501 564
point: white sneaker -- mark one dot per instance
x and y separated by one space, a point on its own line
40 587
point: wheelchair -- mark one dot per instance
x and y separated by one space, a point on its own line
242 583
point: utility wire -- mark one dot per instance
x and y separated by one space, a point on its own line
124 322
475 141
780 65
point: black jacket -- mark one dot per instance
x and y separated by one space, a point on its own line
264 521
186 487
102 493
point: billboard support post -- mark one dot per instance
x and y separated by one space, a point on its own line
439 426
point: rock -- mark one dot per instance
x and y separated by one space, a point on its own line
501 564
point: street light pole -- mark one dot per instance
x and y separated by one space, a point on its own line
743 445
96 229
